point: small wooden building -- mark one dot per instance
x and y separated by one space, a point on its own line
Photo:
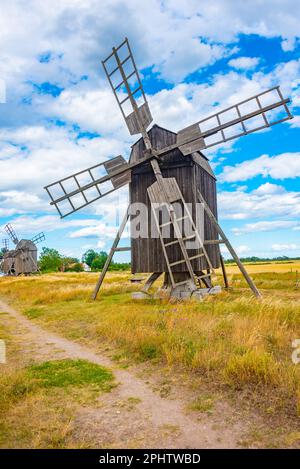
22 260
192 172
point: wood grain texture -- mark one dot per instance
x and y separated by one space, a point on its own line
146 253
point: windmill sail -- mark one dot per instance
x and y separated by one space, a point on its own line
84 187
38 238
255 113
124 79
5 244
11 233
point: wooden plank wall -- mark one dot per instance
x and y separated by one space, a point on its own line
146 254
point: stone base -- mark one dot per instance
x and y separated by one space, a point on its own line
181 292
139 295
201 293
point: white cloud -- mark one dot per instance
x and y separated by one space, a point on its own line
176 37
95 231
31 157
21 201
268 200
284 247
181 38
285 165
244 63
95 110
265 226
289 44
268 189
25 224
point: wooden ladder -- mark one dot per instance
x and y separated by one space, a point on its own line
174 195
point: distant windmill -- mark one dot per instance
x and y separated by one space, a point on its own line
22 259
167 170
5 244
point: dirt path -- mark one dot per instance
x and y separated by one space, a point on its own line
132 415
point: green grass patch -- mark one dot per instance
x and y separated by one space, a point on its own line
33 313
64 373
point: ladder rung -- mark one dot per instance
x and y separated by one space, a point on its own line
181 283
177 262
120 249
197 255
190 258
170 222
127 78
177 240
204 276
181 218
118 68
130 95
165 224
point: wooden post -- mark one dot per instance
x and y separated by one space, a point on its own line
224 272
110 255
154 276
229 247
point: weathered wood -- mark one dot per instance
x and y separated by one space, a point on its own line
147 254
149 282
224 272
144 117
114 248
193 136
229 247
167 197
116 164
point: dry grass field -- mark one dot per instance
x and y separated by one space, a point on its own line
230 345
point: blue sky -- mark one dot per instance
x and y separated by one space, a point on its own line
59 115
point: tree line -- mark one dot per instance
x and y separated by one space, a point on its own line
51 260
255 259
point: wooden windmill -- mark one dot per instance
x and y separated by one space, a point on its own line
22 259
169 174
5 245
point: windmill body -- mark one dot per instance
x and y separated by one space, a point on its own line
169 175
23 258
191 172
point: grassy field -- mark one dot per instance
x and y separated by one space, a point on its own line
38 400
232 341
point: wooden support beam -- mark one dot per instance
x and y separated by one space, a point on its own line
229 247
110 255
149 282
224 272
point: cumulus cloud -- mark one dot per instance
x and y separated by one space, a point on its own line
94 231
285 165
67 39
31 157
26 224
21 201
244 63
265 226
59 45
268 200
243 249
